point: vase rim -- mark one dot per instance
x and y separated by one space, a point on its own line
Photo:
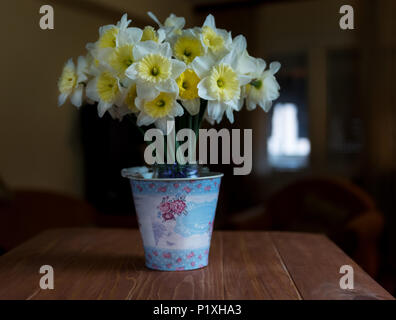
126 173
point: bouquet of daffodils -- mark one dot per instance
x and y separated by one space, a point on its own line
170 73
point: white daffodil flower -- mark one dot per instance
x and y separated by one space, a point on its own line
188 45
154 70
126 103
188 91
159 110
221 81
149 33
263 88
172 26
71 82
217 41
177 23
105 89
156 73
121 57
114 49
108 35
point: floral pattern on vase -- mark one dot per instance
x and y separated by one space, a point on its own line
176 220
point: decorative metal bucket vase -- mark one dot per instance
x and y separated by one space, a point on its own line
175 217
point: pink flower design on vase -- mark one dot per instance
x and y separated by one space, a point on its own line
167 255
178 260
169 265
180 268
193 263
170 209
199 185
200 257
176 185
210 227
178 206
151 185
162 189
155 253
190 255
187 189
164 207
168 216
207 188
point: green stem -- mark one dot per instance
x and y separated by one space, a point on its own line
202 109
190 122
132 118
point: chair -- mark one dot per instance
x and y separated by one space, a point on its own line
333 206
24 213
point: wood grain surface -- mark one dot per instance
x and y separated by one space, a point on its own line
109 264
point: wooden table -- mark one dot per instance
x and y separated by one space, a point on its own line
109 264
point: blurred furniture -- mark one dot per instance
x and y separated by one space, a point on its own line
333 206
108 147
25 213
109 264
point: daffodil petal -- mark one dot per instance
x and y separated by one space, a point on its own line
174 21
76 97
230 58
103 107
62 99
248 65
154 17
146 92
139 102
274 67
161 35
244 79
201 65
214 109
240 103
81 65
232 104
178 68
260 65
265 105
168 85
177 110
124 22
131 72
131 35
203 91
209 119
165 50
162 125
144 119
210 21
143 48
103 29
192 106
239 44
250 104
91 91
70 64
230 115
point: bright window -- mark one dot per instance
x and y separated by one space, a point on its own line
286 150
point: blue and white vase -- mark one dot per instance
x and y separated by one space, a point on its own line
175 217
